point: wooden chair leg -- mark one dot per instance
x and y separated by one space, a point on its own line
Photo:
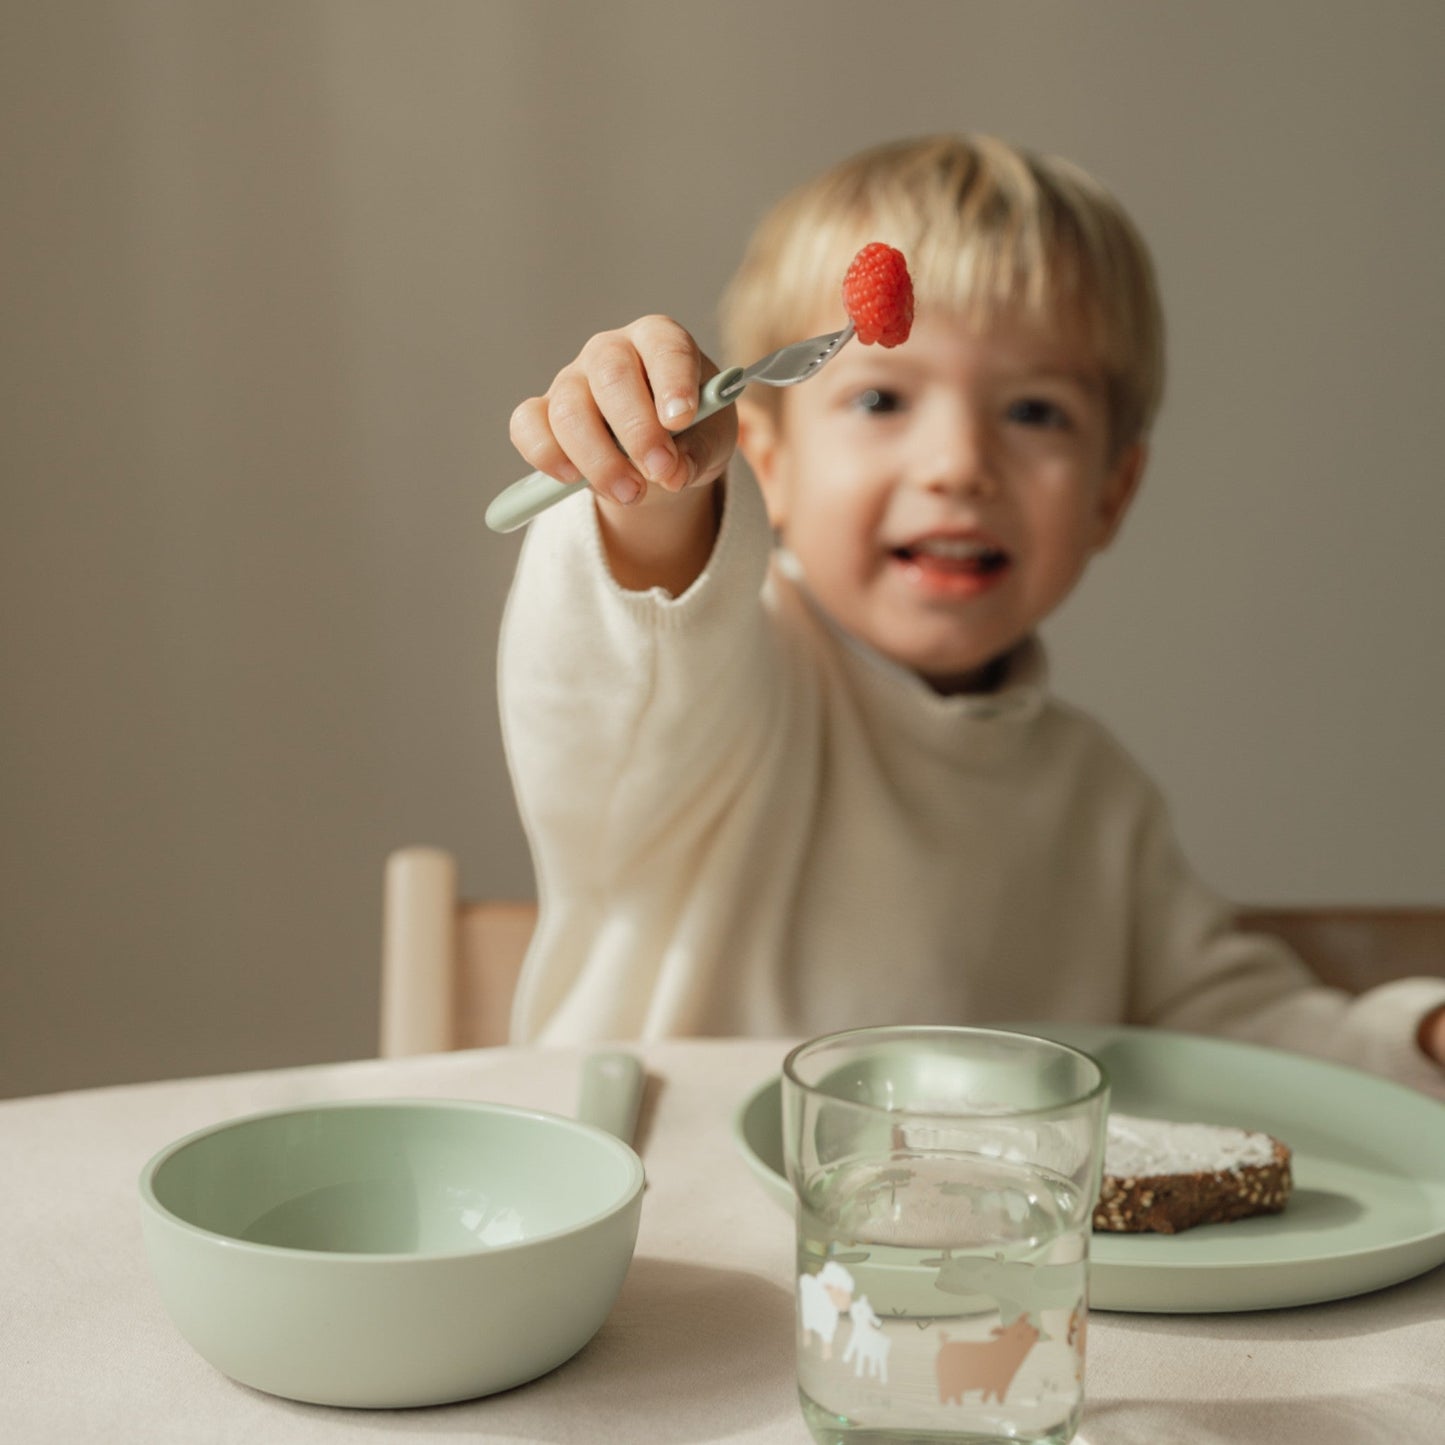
419 949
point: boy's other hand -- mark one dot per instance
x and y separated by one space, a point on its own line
610 415
1431 1036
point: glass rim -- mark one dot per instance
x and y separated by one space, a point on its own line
790 1075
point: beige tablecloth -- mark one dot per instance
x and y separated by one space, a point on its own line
700 1344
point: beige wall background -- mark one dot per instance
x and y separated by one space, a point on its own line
274 275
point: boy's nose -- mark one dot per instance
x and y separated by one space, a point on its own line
976 482
957 460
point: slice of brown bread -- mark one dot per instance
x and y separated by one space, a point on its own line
1162 1177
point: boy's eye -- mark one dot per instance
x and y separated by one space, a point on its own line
1035 411
877 402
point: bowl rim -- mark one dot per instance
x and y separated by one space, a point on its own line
625 1153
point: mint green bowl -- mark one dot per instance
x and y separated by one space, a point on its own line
391 1253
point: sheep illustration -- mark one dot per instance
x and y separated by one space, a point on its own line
868 1346
822 1297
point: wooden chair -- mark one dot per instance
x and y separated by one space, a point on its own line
1356 948
449 965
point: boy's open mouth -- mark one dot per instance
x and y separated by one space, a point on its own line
959 556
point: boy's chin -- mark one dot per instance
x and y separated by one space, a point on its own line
950 671
988 677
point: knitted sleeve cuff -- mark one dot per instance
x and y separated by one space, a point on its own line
1390 1016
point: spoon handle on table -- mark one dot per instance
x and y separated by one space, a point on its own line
611 1093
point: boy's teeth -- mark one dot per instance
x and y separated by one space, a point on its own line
955 548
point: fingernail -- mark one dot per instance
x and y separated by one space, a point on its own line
658 463
626 491
678 406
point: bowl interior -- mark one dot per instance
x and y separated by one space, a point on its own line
394 1178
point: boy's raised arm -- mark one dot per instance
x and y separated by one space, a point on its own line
610 415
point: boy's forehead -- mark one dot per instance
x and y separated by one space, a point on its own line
1051 339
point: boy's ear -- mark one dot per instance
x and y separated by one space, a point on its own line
760 441
1119 491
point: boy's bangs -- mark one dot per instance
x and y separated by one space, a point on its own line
1002 271
978 266
987 232
1039 256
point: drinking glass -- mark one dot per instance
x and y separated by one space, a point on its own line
945 1182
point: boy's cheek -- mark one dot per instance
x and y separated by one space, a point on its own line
1118 495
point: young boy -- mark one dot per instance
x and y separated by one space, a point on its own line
786 790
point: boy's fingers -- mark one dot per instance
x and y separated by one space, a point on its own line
619 382
611 414
708 447
674 368
583 434
533 438
675 371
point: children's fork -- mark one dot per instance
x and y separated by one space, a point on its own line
786 366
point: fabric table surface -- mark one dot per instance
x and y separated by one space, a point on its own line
700 1344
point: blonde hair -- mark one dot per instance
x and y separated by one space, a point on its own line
986 228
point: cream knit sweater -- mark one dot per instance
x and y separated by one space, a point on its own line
743 822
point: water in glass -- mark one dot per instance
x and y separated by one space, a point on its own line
941 1299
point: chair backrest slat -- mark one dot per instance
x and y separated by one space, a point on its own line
1356 948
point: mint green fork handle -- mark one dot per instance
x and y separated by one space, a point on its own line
532 495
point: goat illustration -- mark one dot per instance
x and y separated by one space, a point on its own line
868 1346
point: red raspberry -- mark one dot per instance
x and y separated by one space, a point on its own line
878 293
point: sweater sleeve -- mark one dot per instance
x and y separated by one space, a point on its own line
1195 970
629 719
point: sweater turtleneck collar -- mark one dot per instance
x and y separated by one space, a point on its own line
1020 696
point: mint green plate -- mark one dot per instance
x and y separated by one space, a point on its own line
1368 1208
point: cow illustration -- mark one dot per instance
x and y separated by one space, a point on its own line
1078 1334
868 1346
822 1297
988 1365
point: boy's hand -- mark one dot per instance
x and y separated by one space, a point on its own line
1431 1036
610 414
